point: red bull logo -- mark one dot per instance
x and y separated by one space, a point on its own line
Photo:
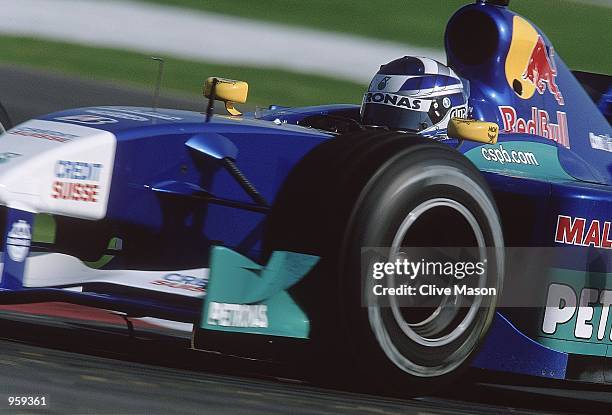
530 64
540 124
542 72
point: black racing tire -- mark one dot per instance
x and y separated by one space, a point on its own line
5 120
356 191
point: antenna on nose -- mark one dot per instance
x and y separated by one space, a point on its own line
160 74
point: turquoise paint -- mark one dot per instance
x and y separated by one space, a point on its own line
519 158
566 337
246 297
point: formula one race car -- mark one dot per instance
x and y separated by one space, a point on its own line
251 226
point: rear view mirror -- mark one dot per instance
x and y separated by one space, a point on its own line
473 130
228 91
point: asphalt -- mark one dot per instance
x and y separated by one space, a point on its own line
95 369
87 368
27 93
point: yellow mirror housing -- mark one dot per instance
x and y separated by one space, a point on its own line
228 91
473 130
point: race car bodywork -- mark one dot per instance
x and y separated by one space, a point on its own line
131 209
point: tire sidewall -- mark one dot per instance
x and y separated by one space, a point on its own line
415 175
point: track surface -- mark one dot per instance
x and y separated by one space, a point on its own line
84 368
27 93
96 368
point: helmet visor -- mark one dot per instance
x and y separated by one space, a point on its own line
395 118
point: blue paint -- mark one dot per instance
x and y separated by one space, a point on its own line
489 90
17 242
213 145
506 349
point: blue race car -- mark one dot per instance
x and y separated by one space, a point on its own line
253 227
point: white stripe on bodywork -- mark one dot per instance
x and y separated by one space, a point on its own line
167 324
55 270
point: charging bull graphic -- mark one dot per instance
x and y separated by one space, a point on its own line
541 71
530 66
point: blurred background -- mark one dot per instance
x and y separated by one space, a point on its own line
292 52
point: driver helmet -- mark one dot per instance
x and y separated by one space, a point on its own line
414 94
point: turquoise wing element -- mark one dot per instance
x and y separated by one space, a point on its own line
246 297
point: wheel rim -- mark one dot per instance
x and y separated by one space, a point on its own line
441 316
